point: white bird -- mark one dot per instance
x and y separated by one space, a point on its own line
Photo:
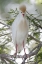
20 29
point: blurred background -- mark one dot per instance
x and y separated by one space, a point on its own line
9 9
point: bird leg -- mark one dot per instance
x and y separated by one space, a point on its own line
23 47
16 50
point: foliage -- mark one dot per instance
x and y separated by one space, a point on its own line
6 38
39 56
15 13
39 1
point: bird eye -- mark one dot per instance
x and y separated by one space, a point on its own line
21 12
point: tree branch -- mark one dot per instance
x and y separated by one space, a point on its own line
33 19
28 35
32 53
5 24
34 38
4 34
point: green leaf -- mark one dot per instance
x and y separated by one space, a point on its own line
9 22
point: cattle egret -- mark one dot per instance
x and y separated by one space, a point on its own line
20 28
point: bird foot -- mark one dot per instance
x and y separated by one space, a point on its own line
25 55
15 54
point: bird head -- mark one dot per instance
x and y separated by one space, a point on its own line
22 9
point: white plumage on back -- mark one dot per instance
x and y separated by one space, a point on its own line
20 31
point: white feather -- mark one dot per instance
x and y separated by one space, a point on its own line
20 31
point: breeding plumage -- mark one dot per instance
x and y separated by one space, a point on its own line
20 29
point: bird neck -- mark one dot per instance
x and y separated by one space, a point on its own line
22 15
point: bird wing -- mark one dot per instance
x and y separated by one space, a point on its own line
18 35
15 32
14 27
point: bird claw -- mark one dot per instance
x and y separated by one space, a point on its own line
15 55
25 55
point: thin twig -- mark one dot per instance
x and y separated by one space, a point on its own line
32 53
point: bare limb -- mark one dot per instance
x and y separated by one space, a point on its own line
4 34
33 19
5 24
32 53
28 35
34 38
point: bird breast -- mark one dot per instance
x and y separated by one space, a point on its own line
22 26
22 31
